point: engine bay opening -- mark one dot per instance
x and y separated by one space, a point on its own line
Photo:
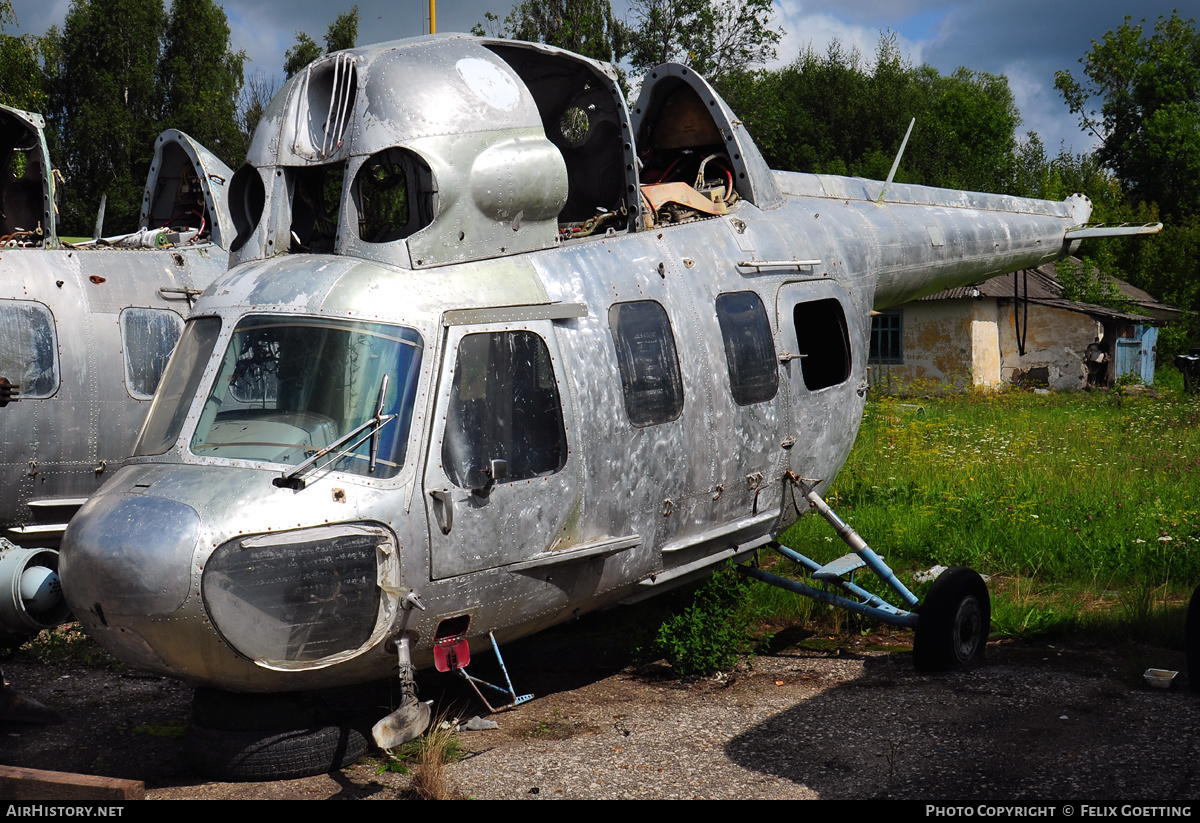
24 183
687 172
178 200
584 116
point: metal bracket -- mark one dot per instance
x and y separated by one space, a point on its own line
510 692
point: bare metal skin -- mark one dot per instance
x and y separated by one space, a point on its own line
78 407
539 446
85 332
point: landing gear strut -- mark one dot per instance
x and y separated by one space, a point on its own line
951 625
412 717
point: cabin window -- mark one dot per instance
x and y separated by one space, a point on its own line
289 387
316 204
504 405
178 386
749 348
824 343
887 338
648 362
392 194
28 348
148 337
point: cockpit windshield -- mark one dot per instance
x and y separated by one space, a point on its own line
289 387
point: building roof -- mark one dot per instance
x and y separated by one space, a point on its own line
1041 285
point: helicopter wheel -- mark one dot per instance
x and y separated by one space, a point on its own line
1192 641
243 737
953 623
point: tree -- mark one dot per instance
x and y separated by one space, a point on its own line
1149 118
21 77
343 31
1147 89
341 34
717 38
300 55
104 103
833 113
202 78
968 137
586 27
256 95
22 80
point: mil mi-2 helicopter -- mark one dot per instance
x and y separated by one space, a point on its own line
86 329
492 352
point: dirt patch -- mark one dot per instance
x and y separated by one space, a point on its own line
1036 721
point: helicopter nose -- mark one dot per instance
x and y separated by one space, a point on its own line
128 555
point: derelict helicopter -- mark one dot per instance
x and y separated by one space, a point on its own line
86 329
494 351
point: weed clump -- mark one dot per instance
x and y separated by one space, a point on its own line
710 634
68 645
426 759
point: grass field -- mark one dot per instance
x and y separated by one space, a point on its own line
1082 507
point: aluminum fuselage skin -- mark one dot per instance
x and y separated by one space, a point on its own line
633 508
61 444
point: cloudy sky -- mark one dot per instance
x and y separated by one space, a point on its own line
1027 40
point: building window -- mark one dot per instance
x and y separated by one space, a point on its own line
887 338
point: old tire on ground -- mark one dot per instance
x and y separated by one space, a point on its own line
953 622
238 756
1192 641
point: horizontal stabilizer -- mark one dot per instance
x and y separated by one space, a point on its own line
1112 230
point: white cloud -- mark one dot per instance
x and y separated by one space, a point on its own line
818 29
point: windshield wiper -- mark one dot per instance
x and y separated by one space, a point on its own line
293 480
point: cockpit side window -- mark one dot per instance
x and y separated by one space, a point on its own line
393 196
173 395
504 405
316 203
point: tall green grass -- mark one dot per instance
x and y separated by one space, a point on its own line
1065 487
1073 502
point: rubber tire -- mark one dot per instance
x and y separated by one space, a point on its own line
953 622
240 756
1191 641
